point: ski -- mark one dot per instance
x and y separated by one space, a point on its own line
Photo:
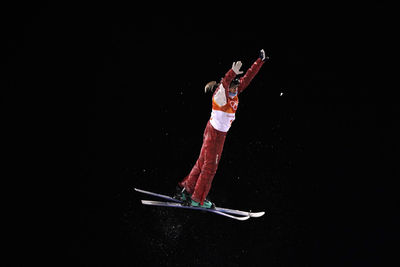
179 205
225 210
157 195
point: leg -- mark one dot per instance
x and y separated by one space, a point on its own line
189 182
213 148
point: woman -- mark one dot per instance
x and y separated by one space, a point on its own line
193 189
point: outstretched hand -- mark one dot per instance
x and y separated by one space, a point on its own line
236 67
262 55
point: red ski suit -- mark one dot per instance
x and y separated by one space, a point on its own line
198 182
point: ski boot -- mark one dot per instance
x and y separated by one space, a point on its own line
186 198
181 194
207 204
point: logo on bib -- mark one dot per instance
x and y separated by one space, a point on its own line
233 104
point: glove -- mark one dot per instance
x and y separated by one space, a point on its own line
262 55
236 67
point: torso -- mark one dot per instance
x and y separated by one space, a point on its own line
223 110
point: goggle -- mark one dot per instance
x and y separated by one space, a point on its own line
235 81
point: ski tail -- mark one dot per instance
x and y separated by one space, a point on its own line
157 195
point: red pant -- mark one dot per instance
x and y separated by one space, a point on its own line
198 182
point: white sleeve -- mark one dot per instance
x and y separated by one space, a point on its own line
220 96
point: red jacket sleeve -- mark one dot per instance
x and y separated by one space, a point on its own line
226 81
250 73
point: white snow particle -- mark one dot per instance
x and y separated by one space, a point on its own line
281 93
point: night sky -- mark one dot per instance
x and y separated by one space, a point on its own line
310 146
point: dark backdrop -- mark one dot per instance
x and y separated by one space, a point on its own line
310 144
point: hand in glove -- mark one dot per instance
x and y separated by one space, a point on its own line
262 55
236 67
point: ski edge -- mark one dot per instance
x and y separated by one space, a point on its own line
178 205
225 210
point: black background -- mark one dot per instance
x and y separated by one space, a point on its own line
311 144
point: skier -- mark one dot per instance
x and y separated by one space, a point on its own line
194 188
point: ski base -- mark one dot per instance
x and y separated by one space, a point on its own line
179 205
243 215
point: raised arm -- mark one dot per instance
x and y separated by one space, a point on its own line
229 76
252 71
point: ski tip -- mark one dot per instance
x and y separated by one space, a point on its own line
257 214
242 218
